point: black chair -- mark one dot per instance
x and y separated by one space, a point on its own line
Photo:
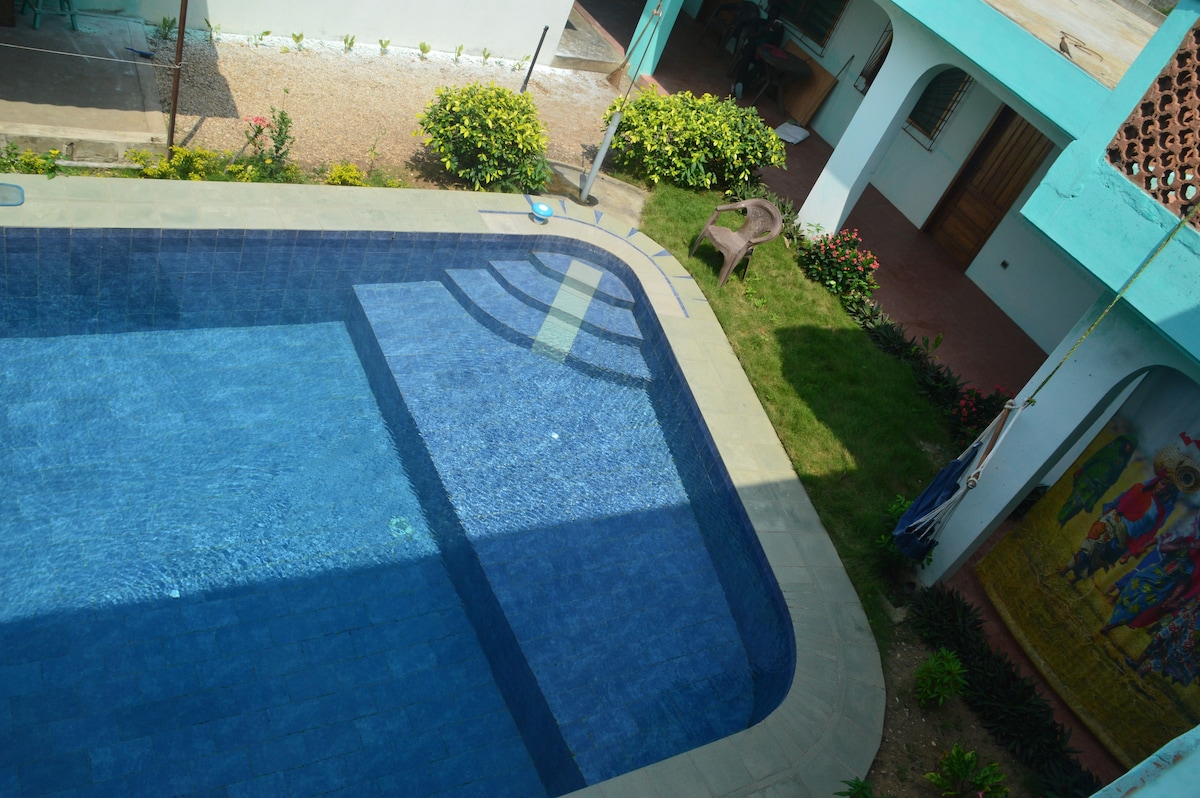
728 21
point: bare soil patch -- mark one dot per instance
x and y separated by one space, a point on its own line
916 737
359 106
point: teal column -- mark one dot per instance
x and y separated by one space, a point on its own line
650 37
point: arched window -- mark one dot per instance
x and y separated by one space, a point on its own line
936 104
814 19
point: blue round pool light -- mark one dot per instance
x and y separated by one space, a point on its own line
542 212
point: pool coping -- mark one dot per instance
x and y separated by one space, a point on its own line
829 726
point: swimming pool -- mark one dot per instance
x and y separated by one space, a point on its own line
518 580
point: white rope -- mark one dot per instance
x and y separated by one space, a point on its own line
89 57
1010 417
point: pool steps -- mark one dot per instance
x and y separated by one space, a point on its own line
606 317
543 307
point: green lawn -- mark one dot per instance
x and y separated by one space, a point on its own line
850 417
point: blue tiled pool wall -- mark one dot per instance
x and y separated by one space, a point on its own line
62 281
525 700
751 589
85 281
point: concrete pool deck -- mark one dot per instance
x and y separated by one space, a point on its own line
828 727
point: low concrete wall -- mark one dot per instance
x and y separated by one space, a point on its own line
506 29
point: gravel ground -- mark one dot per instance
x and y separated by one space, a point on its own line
359 106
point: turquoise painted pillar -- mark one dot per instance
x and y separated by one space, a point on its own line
650 36
909 67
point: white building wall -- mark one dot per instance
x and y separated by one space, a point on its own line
1034 282
853 40
507 29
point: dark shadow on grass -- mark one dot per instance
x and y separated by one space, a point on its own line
869 401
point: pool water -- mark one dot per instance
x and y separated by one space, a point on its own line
444 526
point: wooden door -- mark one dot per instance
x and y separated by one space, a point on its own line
993 177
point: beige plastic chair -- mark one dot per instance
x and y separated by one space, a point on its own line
763 223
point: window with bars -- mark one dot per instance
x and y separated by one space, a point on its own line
875 62
815 19
933 109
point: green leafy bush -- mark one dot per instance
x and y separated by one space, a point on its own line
29 162
489 136
940 677
270 142
959 774
185 163
346 174
695 142
836 262
860 788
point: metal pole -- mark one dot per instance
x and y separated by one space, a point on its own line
608 137
534 61
616 120
175 78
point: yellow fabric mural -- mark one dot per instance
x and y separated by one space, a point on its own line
1100 580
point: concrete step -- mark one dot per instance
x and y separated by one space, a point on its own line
584 46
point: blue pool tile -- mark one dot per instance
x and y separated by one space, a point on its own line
312 682
21 679
277 754
298 716
332 740
183 745
160 779
263 693
26 644
44 706
319 778
243 637
54 774
215 771
209 615
269 785
239 729
168 682
121 759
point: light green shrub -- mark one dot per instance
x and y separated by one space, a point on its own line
959 775
185 163
940 677
29 162
489 136
346 174
695 142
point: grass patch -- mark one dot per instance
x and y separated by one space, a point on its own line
850 417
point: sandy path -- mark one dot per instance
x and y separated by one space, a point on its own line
359 106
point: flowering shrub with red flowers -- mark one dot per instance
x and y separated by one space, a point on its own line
836 262
974 411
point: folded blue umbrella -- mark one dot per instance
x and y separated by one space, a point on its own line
916 532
